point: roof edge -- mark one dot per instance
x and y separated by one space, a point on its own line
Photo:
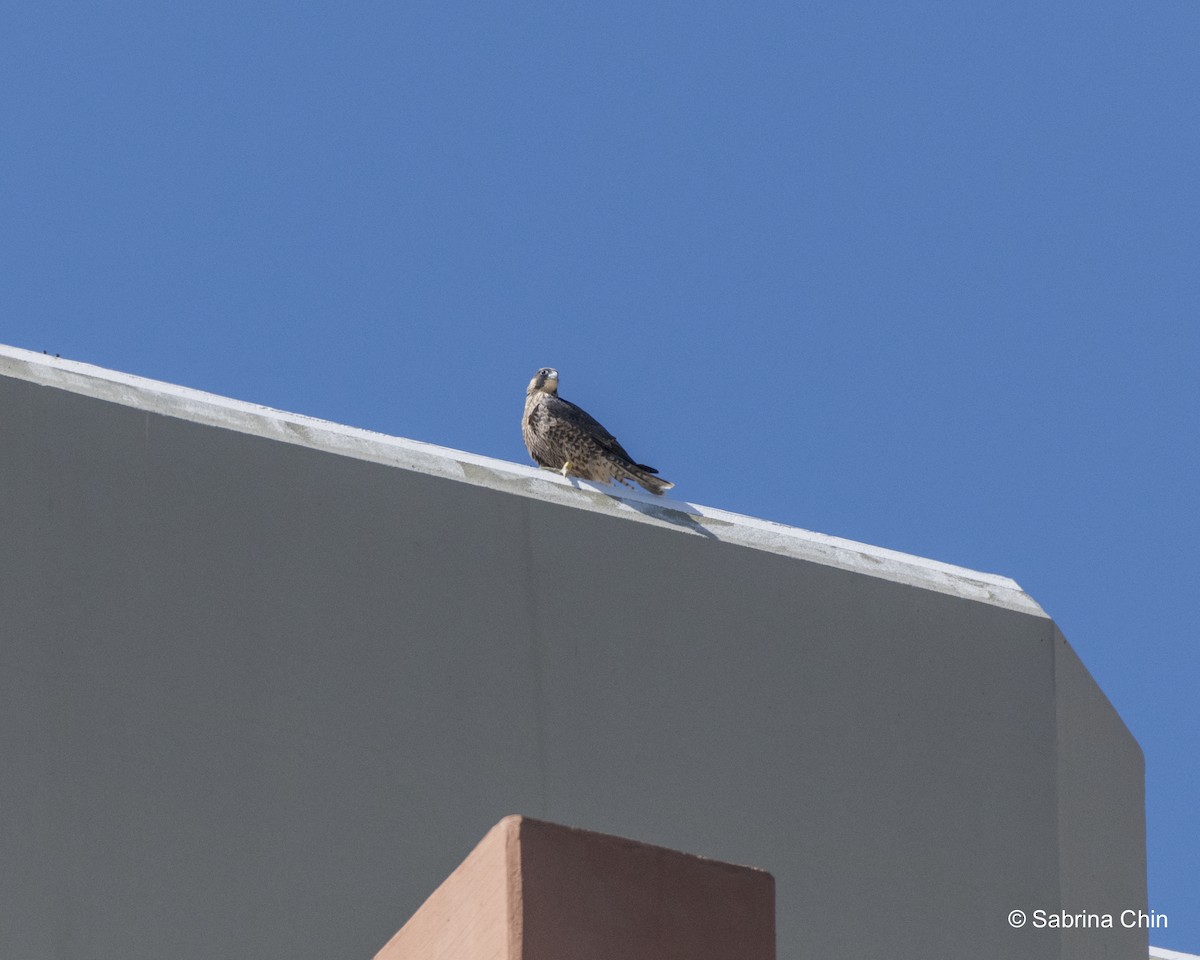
154 396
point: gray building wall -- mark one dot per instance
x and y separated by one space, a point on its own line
264 682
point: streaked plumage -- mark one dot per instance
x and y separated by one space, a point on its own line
564 437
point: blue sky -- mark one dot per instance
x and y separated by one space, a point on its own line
924 275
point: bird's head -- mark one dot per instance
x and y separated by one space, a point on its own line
544 381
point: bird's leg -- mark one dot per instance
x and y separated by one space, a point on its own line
565 467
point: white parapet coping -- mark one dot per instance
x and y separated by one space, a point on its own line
196 406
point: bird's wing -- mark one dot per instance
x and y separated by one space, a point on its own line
579 418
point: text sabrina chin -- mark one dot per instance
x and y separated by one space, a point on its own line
1128 919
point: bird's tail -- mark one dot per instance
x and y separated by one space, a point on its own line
645 476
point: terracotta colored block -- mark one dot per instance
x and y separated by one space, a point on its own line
538 891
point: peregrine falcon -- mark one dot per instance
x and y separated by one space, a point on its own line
563 437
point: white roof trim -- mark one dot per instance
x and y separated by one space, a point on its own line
194 405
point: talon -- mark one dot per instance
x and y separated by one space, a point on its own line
565 467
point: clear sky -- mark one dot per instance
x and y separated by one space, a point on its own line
922 274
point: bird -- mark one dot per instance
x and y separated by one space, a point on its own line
566 438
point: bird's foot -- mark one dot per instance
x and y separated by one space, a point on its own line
565 468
